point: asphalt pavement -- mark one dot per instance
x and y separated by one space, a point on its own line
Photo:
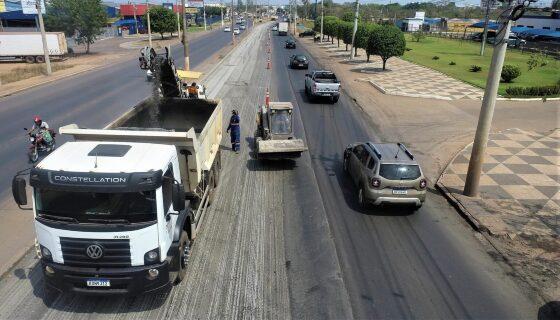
395 264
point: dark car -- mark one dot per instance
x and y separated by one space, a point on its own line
290 44
307 33
299 61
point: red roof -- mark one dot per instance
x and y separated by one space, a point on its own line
128 9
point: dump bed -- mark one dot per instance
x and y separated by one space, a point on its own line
194 126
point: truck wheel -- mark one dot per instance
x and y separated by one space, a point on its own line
40 59
30 59
183 256
361 198
334 99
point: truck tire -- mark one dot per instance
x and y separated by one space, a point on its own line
29 59
40 59
183 256
334 99
306 91
361 198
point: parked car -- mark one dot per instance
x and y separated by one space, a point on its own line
307 33
236 31
299 61
227 29
322 83
515 41
290 44
385 173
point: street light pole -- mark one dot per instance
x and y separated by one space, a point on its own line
322 17
185 41
204 13
352 50
135 19
231 18
149 26
43 37
178 20
486 113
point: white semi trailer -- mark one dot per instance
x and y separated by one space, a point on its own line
28 46
116 210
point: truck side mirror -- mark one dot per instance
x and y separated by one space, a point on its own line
18 190
178 197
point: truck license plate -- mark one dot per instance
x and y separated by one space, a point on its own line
98 283
301 64
400 192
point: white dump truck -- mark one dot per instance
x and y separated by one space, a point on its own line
282 28
116 210
28 46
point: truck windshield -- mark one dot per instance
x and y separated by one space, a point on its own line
281 123
95 207
399 171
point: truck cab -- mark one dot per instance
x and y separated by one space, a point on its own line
109 217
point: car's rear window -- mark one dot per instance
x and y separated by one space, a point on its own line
325 77
399 171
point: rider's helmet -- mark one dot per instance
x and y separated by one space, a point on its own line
37 120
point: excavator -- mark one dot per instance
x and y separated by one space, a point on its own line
274 137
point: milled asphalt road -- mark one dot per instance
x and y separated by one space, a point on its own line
396 265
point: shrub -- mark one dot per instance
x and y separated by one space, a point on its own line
536 60
475 68
452 63
418 35
510 72
534 91
435 58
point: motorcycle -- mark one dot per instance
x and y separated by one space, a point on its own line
39 145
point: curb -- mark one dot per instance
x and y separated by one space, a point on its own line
543 99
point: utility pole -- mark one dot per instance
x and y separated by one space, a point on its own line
185 41
149 26
485 32
322 17
486 113
135 20
43 36
352 50
178 20
204 14
222 13
231 18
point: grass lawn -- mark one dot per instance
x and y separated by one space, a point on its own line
29 71
466 53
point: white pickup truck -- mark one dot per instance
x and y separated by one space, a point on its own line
322 83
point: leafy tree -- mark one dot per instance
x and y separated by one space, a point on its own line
536 60
348 28
162 20
387 42
418 35
510 72
83 19
371 28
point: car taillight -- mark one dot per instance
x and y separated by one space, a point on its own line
375 183
423 184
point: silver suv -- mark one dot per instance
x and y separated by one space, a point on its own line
385 173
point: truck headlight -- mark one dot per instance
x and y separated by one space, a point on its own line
151 256
46 253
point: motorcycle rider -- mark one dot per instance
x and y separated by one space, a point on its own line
43 136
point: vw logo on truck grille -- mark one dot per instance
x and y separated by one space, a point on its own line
94 251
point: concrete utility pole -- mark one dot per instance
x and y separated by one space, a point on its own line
222 13
204 14
231 18
178 19
486 113
149 25
135 20
322 17
485 32
185 41
43 36
352 51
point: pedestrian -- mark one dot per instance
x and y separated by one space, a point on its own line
235 133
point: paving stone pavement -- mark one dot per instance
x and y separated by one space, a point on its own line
403 78
519 186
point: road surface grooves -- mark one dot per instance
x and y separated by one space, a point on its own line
244 264
396 264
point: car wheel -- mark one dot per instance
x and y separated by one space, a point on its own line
361 198
306 91
334 99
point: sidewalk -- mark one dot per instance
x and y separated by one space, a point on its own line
525 163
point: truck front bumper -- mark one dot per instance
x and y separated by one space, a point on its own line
131 281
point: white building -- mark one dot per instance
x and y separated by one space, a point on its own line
414 24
